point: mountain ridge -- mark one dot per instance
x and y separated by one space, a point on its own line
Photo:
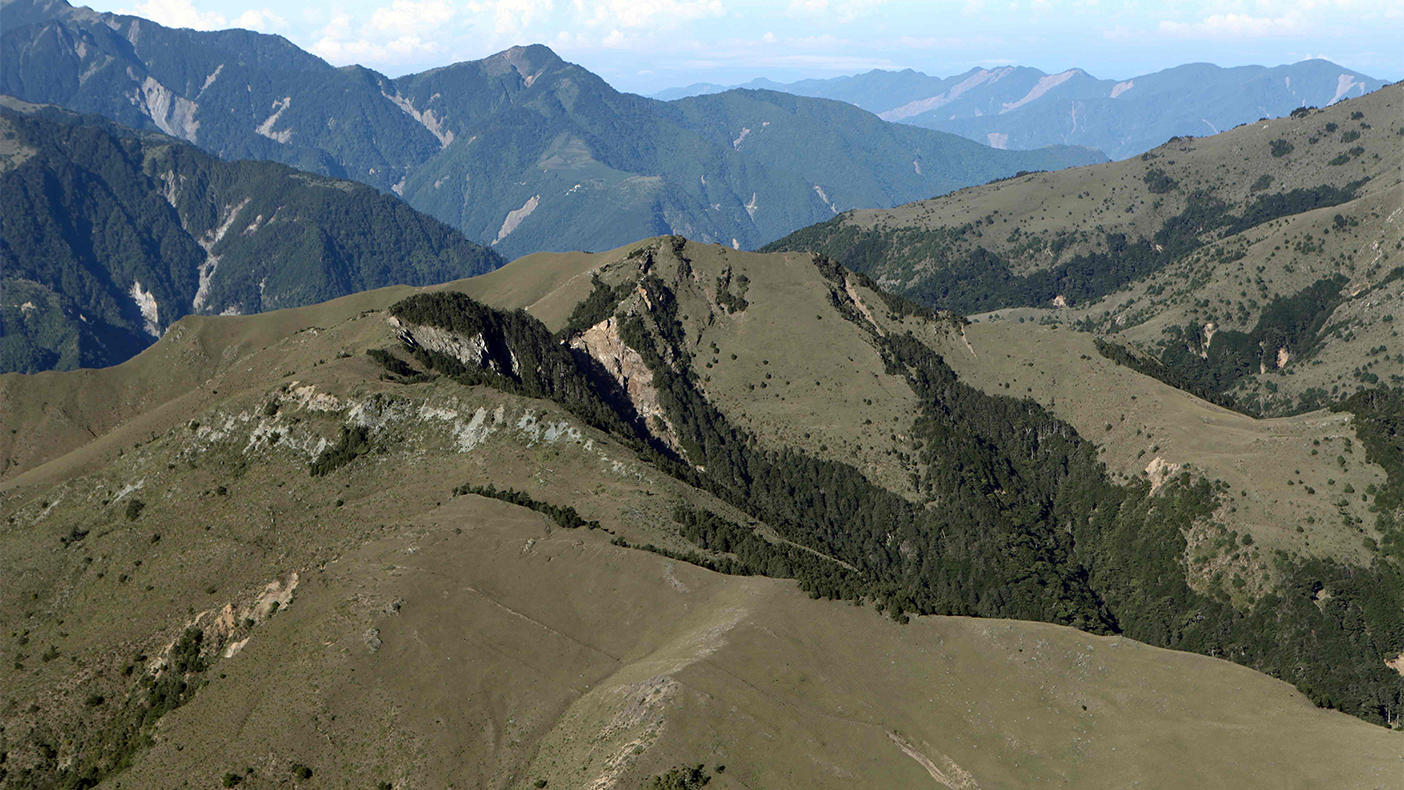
521 150
533 515
111 234
1022 107
1253 262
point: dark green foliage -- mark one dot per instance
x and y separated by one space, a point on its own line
1285 204
134 509
393 364
683 778
1158 182
1281 148
1264 181
301 772
113 743
1175 377
758 556
1211 370
1379 422
953 270
231 779
732 302
564 515
98 208
596 307
353 443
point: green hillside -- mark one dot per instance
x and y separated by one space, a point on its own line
1251 263
109 236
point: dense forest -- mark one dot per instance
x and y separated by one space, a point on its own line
1028 526
109 235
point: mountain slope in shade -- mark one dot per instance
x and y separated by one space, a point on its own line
521 150
1021 107
111 235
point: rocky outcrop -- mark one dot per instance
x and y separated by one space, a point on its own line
602 341
471 351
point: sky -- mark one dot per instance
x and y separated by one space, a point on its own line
645 46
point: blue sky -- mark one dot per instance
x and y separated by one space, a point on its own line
647 45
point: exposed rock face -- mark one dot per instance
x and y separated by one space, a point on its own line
602 342
172 113
471 351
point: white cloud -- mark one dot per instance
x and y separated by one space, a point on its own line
511 17
183 13
409 18
843 11
641 13
1238 26
850 10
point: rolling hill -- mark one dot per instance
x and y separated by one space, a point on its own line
1019 107
1256 267
110 235
522 150
596 519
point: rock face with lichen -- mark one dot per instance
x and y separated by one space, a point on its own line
602 341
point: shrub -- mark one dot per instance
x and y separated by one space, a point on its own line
353 443
1281 147
134 509
1158 182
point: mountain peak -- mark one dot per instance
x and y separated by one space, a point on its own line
528 60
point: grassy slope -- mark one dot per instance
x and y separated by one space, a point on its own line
1275 259
550 654
565 653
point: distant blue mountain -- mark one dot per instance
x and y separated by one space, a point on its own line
1022 108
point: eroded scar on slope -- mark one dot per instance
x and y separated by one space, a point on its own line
948 774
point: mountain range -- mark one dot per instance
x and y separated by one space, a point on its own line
521 151
110 235
1020 107
1090 476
